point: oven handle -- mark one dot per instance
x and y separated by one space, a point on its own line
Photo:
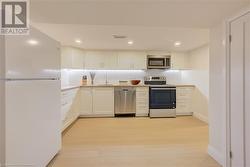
163 88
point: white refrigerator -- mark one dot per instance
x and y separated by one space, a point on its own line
32 99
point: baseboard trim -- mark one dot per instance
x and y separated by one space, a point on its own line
215 154
201 117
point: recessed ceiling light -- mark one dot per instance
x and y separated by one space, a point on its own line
177 44
78 41
32 42
130 42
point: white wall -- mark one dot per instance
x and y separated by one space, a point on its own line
199 76
217 94
2 102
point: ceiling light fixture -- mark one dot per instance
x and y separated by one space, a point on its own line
32 42
177 44
78 41
130 42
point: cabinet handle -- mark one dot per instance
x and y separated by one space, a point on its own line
64 104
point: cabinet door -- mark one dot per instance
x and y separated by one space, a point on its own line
142 101
86 103
140 60
180 61
77 58
101 60
132 60
95 60
184 100
72 58
103 101
124 60
110 60
66 57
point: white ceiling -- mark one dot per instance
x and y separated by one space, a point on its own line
145 38
152 24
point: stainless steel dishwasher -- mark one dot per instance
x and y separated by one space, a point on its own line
125 100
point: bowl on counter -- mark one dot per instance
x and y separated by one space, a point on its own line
135 82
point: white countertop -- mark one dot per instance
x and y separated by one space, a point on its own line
69 87
140 85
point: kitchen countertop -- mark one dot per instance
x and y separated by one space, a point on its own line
179 85
64 88
74 87
114 85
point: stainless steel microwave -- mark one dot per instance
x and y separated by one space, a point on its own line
159 62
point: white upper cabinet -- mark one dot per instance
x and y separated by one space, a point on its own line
72 58
78 57
101 60
132 60
180 61
66 59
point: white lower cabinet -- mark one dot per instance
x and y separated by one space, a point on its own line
97 102
69 104
142 101
86 107
184 97
103 101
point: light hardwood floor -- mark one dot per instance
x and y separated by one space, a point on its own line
135 142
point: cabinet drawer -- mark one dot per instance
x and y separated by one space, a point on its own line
183 100
141 103
181 91
64 111
71 92
68 96
67 100
141 94
183 95
182 105
143 108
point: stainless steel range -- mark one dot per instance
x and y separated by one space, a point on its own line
162 97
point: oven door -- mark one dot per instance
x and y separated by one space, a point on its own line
156 63
162 98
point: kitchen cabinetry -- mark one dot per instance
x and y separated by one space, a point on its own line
69 110
103 101
184 100
97 102
132 60
101 60
72 58
142 101
86 108
180 61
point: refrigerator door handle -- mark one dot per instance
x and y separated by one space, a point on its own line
31 79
